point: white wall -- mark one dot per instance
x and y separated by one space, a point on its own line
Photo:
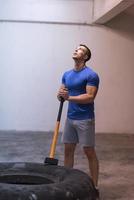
62 11
33 57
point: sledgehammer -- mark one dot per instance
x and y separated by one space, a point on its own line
51 160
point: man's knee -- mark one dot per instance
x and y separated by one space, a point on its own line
89 151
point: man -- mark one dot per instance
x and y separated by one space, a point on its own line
79 87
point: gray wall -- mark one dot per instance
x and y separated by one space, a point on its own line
33 56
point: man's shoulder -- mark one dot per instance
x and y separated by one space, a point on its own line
68 72
91 72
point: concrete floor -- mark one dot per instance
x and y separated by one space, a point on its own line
115 152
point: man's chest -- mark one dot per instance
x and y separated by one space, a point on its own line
76 81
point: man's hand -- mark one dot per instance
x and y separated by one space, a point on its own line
63 92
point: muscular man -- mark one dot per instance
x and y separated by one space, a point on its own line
79 87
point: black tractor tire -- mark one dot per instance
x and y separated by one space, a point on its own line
36 181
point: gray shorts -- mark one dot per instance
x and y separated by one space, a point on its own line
79 131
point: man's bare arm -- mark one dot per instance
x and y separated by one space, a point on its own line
88 97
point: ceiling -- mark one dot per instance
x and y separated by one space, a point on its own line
123 6
130 10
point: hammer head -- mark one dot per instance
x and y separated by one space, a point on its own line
51 161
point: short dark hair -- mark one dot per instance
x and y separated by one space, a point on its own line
88 52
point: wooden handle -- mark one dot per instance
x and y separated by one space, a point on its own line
56 131
54 142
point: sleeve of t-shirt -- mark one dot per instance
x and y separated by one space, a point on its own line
63 79
93 80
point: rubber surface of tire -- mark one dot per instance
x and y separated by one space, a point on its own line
63 183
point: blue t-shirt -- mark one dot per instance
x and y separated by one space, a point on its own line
76 82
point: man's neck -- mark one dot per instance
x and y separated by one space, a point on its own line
79 65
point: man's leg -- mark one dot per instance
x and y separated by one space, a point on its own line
69 154
93 163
